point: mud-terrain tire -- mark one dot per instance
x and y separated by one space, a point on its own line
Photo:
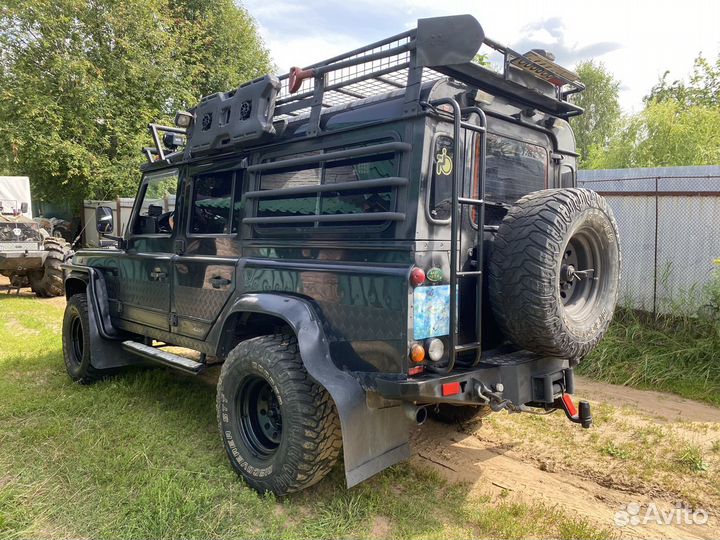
536 297
457 414
279 427
76 342
50 279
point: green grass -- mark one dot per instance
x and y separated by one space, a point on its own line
614 450
672 354
138 456
691 459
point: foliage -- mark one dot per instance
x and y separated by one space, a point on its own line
664 134
679 125
601 121
703 87
482 59
81 79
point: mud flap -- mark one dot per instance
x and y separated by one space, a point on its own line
105 344
373 439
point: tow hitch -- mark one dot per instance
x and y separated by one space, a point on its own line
582 417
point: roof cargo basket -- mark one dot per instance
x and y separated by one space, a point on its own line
227 119
439 47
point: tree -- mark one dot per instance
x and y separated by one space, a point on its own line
598 125
664 134
679 125
703 87
81 79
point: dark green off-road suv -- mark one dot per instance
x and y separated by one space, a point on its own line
391 233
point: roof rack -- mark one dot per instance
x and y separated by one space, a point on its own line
437 48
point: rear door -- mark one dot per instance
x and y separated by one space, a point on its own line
204 273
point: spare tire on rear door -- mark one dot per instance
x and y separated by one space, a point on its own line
555 272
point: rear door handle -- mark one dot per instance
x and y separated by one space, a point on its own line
218 282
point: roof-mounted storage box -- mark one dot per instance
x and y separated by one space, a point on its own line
226 119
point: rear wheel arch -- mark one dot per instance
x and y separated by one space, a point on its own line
242 325
75 285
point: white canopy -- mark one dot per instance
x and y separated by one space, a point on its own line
15 190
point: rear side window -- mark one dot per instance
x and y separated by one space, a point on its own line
212 204
345 201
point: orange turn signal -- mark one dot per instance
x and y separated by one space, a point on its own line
417 353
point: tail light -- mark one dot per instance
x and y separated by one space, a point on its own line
417 276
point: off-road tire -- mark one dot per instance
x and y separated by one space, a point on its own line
458 414
76 342
534 303
50 279
309 441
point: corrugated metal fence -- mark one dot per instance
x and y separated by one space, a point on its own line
669 222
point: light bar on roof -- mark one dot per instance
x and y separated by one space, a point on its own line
550 72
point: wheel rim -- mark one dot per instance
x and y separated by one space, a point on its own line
581 274
258 409
76 336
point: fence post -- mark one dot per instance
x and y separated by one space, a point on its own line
655 264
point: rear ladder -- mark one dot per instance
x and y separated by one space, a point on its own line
458 201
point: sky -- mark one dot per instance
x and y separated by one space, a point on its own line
636 40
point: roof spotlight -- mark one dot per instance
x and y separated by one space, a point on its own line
183 119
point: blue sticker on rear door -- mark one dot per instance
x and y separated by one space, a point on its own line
431 311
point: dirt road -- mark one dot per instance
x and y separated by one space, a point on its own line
526 465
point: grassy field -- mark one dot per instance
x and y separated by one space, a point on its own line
671 354
138 456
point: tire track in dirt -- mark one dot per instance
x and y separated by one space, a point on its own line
496 469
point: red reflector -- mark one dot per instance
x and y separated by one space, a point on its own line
567 399
451 389
417 370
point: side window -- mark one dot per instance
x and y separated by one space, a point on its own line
212 203
328 202
157 207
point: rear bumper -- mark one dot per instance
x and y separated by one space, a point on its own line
18 261
519 377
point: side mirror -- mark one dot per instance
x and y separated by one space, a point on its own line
23 208
104 219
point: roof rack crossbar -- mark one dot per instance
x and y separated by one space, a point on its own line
389 81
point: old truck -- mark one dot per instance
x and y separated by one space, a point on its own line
392 233
29 255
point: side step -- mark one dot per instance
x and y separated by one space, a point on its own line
164 358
